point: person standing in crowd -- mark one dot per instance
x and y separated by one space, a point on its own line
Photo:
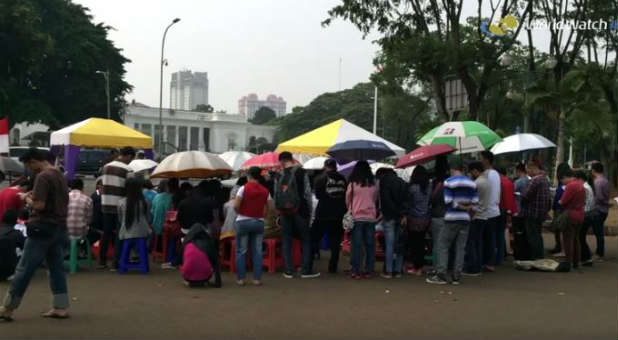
438 206
474 247
133 213
536 203
573 201
79 211
12 198
148 191
601 208
252 206
330 188
294 202
161 204
114 177
419 218
508 208
493 213
562 169
361 199
521 186
586 258
47 236
461 197
393 207
197 208
11 241
96 224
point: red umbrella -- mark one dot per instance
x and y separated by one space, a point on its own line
424 154
269 160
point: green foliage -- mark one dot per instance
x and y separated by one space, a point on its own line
263 115
50 53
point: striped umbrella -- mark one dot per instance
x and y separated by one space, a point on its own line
466 137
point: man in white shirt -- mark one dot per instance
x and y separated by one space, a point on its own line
490 240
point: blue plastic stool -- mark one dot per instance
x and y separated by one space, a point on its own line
142 248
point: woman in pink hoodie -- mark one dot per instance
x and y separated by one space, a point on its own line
361 198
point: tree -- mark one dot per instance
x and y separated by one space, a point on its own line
204 108
430 40
51 51
263 115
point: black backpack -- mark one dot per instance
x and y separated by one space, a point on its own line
287 200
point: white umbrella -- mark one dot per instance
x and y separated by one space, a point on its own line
236 159
316 163
138 165
522 142
376 166
192 164
302 158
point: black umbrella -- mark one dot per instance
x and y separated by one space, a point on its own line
356 150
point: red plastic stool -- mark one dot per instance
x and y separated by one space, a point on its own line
96 250
272 254
228 253
379 245
156 254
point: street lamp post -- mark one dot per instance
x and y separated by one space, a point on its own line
375 111
160 141
106 76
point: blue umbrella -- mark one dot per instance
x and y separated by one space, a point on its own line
356 150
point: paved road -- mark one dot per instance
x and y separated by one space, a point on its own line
504 305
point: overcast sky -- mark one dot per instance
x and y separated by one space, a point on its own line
246 46
263 47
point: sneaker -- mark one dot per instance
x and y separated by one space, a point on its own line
367 276
588 263
355 276
311 275
597 258
102 267
418 272
386 275
167 266
398 275
471 274
240 282
490 269
257 282
411 271
288 275
436 279
456 280
10 278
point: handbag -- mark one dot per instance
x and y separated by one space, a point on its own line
348 219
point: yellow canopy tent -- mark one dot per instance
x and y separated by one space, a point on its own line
320 140
98 133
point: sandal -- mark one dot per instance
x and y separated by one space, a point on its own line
6 318
54 315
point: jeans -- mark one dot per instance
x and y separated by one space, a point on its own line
173 252
291 226
334 229
500 239
534 227
453 232
35 251
392 231
249 233
474 246
598 227
489 241
436 226
363 236
110 234
416 242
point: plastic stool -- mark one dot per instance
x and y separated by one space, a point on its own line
228 253
142 249
96 250
74 261
379 245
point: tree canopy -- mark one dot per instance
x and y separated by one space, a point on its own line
263 115
50 53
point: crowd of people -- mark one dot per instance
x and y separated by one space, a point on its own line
470 211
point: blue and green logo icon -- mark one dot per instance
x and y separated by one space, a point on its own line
501 28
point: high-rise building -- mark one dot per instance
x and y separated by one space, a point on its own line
188 90
249 104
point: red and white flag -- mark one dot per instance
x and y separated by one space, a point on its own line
4 135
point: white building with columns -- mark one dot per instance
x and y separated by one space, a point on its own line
191 130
